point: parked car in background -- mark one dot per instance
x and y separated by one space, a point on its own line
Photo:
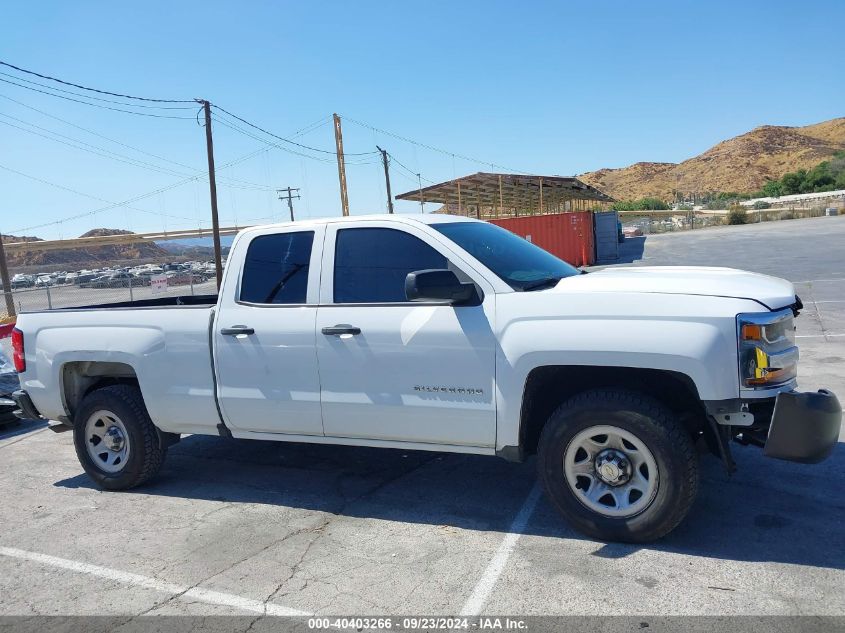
22 281
109 280
44 280
183 277
85 277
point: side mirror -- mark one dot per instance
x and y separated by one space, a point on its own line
438 285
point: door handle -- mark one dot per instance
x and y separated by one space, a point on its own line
237 329
341 328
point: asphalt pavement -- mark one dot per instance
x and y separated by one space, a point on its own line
262 528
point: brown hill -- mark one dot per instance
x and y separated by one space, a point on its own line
741 164
85 256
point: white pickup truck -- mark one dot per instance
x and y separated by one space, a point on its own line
446 334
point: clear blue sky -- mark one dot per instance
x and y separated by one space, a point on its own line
542 87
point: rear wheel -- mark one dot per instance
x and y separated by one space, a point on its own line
116 441
618 465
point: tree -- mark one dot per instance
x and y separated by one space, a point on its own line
772 189
794 182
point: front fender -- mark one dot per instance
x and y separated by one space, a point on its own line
706 352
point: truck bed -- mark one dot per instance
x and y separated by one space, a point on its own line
164 341
205 301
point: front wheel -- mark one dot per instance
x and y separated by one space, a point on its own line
116 441
618 465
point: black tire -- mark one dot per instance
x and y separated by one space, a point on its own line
653 424
146 452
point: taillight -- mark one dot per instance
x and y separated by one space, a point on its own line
17 351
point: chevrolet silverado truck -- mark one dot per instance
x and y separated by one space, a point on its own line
441 333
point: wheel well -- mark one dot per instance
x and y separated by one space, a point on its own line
82 377
546 388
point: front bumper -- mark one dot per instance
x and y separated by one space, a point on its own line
805 426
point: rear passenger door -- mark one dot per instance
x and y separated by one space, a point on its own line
264 333
411 372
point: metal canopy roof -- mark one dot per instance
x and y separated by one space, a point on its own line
504 193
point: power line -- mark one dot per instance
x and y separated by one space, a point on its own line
312 126
287 140
231 126
97 105
76 94
110 206
236 128
120 143
125 203
105 92
431 147
410 171
108 154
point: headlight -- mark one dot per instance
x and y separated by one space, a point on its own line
767 353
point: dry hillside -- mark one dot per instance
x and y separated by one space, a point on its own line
84 256
741 164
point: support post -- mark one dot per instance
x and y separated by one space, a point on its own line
212 185
386 179
500 197
541 195
7 283
422 199
341 166
460 205
477 204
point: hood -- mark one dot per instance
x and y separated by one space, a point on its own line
772 292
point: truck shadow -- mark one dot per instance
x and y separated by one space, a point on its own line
20 427
770 511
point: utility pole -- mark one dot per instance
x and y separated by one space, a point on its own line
7 284
341 165
212 185
289 198
386 179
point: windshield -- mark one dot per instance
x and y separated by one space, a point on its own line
518 262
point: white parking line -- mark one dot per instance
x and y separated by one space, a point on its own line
136 580
817 335
488 579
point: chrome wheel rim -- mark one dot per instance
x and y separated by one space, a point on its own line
107 441
610 471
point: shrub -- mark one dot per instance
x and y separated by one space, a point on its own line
737 214
644 204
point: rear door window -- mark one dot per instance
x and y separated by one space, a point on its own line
276 268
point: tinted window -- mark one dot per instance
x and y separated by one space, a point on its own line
370 265
518 262
276 268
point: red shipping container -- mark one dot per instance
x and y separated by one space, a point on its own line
567 235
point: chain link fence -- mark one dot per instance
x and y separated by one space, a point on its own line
33 289
668 221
